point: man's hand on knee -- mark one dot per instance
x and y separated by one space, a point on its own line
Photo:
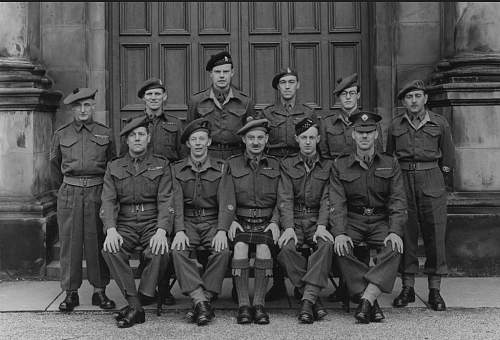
396 242
322 233
113 241
341 245
232 230
220 241
180 241
275 230
159 243
287 235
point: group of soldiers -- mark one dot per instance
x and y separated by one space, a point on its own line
281 190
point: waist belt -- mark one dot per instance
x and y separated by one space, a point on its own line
257 212
193 212
302 209
135 208
366 211
83 181
224 146
408 165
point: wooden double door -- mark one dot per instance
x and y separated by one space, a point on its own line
173 41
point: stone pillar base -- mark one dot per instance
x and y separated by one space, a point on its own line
28 229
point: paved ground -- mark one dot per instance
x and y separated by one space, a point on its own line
29 311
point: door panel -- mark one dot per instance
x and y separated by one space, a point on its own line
173 40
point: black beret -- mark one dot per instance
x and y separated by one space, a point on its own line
134 123
254 124
345 83
304 125
411 86
285 72
195 125
80 94
151 83
219 59
365 121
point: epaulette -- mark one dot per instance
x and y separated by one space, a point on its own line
101 124
201 91
234 156
175 118
64 126
308 106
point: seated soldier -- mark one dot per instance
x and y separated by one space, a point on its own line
367 204
136 212
303 205
250 191
197 221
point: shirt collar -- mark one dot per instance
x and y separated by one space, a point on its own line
205 164
79 125
228 97
423 119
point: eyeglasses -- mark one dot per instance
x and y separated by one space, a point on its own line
351 93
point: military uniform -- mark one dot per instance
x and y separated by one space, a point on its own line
196 199
368 202
282 122
79 153
336 135
303 204
225 119
137 200
425 150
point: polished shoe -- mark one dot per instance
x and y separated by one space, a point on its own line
191 316
364 311
70 302
277 291
260 315
132 317
319 311
121 313
338 295
377 315
146 300
407 295
203 312
245 315
306 314
436 300
100 299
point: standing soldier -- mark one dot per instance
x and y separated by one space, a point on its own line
250 192
303 204
80 151
223 105
198 222
137 212
421 140
164 128
282 117
336 128
367 204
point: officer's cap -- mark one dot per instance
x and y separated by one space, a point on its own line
195 125
151 83
254 124
411 86
219 59
345 83
304 125
285 72
81 93
133 124
365 121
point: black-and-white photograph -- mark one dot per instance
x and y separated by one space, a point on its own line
249 170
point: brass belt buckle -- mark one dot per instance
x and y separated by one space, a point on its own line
84 181
367 211
139 207
413 166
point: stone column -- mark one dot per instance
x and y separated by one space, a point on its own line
466 89
26 112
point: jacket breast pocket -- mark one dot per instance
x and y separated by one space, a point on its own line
431 137
168 134
123 182
151 180
336 139
277 131
383 179
204 110
210 184
68 148
268 183
99 148
352 184
401 138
